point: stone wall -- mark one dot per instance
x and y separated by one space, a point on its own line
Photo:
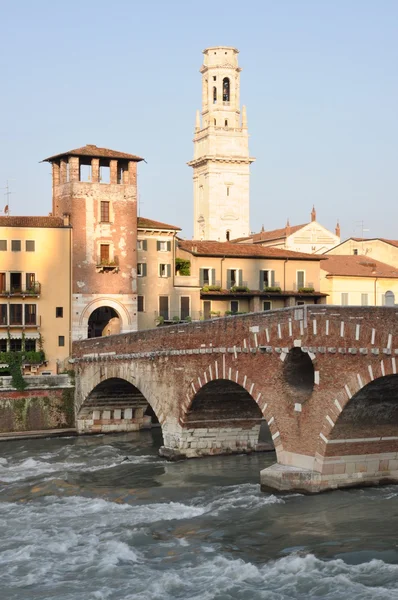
46 403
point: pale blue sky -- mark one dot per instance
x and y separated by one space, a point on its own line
319 81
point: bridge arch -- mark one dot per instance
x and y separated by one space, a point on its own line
115 401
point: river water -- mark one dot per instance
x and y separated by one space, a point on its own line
103 517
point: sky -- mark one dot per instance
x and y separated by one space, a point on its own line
319 80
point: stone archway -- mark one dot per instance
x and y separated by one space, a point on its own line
115 405
104 320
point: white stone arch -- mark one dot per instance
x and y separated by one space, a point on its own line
118 307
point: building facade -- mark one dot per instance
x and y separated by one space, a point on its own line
96 189
383 250
221 163
35 289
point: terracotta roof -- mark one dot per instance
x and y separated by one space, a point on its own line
355 239
94 152
232 250
355 265
265 236
31 222
143 223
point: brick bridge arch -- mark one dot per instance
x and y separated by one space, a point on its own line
346 346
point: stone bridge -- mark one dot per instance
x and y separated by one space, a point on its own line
324 379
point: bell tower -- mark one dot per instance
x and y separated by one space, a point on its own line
221 163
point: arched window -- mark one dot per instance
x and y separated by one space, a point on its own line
389 298
214 94
227 235
225 89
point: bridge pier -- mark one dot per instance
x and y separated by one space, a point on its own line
333 473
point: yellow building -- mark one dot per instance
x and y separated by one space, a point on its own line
229 278
35 279
356 280
386 251
157 300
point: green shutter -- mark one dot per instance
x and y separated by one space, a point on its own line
240 277
168 246
229 279
213 276
144 269
261 286
144 245
272 278
168 271
201 278
158 245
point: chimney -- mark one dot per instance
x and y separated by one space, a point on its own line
287 229
66 217
313 214
338 229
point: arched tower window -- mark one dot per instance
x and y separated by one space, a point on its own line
227 235
225 89
214 94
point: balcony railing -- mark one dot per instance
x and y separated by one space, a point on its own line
306 288
106 264
19 290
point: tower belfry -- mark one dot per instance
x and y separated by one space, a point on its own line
221 163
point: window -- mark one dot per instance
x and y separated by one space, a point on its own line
105 174
15 314
267 279
300 303
164 270
61 340
104 211
184 307
355 251
15 345
2 282
207 277
226 123
214 78
234 277
121 170
104 253
300 279
142 245
16 245
364 299
267 305
59 312
141 270
234 306
164 307
3 245
214 94
227 235
3 314
30 281
30 314
140 303
344 299
225 89
30 345
163 246
29 245
3 345
16 282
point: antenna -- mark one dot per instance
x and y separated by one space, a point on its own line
7 193
139 204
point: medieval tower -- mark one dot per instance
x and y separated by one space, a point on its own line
95 191
221 163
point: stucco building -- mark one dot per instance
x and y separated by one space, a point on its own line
221 163
380 249
35 289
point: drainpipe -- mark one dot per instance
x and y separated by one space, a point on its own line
375 291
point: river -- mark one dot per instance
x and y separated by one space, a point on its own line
104 517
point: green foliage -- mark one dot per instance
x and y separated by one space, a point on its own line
188 319
159 320
183 267
306 290
27 358
239 312
176 319
211 288
215 313
240 288
15 366
274 289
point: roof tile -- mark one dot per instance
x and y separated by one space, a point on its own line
231 249
355 265
31 222
143 223
94 152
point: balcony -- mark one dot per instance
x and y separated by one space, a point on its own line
105 265
307 288
33 290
